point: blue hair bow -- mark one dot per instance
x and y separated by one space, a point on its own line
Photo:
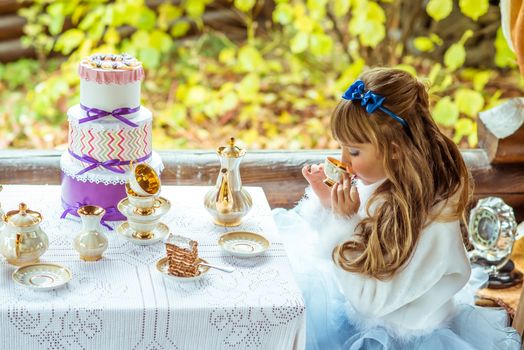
371 101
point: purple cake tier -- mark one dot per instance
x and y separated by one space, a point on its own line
77 193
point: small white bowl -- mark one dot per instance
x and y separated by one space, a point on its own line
162 266
243 244
42 276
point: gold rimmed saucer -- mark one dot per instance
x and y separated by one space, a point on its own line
243 244
42 276
160 232
160 208
162 266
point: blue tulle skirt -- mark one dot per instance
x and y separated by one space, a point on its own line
331 323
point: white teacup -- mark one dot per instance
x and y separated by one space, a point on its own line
144 203
334 169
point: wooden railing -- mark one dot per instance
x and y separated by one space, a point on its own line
278 172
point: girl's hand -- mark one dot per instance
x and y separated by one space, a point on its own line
314 174
345 200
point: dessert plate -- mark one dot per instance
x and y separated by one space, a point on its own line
160 232
42 276
243 244
162 266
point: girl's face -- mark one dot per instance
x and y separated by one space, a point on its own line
365 161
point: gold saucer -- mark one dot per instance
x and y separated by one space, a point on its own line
162 266
160 232
243 244
42 276
129 210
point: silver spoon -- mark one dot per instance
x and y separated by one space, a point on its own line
221 268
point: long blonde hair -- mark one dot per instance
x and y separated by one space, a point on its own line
426 170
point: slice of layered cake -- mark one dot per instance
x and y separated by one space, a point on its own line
182 256
108 130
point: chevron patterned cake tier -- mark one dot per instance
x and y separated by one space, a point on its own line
110 139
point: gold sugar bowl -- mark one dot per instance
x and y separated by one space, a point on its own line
22 240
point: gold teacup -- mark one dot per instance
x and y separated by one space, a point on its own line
334 170
143 180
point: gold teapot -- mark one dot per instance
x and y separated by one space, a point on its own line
228 202
22 241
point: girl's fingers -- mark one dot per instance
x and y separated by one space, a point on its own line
334 195
306 170
353 194
340 193
315 168
346 184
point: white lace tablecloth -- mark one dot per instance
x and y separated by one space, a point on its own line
123 302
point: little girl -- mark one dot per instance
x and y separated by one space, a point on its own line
381 260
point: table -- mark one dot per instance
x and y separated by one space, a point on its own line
508 298
122 302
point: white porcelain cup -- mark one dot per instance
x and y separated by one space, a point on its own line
334 169
144 202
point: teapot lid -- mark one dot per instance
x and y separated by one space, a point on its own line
231 150
22 217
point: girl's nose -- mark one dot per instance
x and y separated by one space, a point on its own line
347 161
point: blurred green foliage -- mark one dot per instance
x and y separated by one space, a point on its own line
273 89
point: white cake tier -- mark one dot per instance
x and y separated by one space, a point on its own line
109 97
71 168
75 114
109 138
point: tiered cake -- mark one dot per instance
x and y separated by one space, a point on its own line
108 130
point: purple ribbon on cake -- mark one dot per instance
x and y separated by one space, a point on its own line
110 164
95 113
73 209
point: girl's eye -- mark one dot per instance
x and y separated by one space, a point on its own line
354 152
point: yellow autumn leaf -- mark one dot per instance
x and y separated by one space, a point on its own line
439 9
474 8
455 56
469 102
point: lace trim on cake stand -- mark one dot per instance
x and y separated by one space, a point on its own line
115 179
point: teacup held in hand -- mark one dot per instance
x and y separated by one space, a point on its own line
334 169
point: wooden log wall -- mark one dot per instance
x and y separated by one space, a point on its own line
277 172
11 30
218 16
